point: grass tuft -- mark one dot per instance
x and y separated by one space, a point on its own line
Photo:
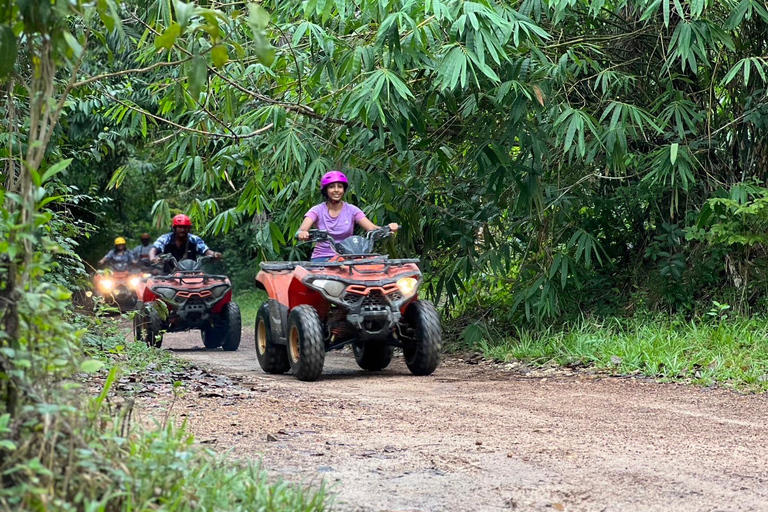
732 352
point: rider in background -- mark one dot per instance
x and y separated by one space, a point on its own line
141 252
334 216
117 255
180 244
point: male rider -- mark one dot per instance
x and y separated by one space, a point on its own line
180 244
141 252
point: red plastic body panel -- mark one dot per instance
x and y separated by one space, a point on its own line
286 286
192 286
226 299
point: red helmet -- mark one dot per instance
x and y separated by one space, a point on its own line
181 220
333 177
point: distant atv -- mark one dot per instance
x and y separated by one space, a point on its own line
117 285
358 298
186 299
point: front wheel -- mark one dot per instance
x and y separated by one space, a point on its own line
306 349
233 327
225 332
424 338
151 326
372 355
272 358
138 326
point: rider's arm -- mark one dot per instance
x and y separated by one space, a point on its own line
159 246
303 233
370 226
202 248
106 257
213 254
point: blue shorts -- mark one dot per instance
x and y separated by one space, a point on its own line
320 260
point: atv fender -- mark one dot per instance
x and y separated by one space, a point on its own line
278 318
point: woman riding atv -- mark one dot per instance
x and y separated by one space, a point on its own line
334 216
118 255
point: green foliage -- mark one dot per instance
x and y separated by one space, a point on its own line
77 453
725 353
494 146
558 140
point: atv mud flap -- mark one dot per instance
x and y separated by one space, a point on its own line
374 324
278 318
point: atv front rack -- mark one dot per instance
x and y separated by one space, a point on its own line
377 260
189 279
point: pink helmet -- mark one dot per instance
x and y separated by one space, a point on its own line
333 177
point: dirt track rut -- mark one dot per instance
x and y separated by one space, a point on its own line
477 437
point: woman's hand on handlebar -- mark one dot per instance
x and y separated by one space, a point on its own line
394 226
302 235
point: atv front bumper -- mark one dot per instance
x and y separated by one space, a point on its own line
373 324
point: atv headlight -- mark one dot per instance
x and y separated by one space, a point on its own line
407 285
134 282
332 288
166 293
106 284
218 291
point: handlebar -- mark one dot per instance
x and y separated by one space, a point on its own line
319 235
166 257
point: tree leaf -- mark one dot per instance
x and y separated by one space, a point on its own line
219 55
168 38
673 153
263 49
91 365
55 169
198 76
184 12
258 17
73 43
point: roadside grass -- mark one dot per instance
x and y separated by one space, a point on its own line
249 301
731 352
78 451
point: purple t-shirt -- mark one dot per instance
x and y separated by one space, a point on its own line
339 228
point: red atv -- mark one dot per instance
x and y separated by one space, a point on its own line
358 298
117 285
187 298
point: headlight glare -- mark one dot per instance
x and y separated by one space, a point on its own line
134 282
332 288
106 284
407 285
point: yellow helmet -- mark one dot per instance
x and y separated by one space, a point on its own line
119 241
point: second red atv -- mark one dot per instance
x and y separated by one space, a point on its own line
360 298
117 285
184 299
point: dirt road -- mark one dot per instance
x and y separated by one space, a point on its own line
478 437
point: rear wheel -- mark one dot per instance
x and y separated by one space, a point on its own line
372 355
152 326
272 358
306 350
422 350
